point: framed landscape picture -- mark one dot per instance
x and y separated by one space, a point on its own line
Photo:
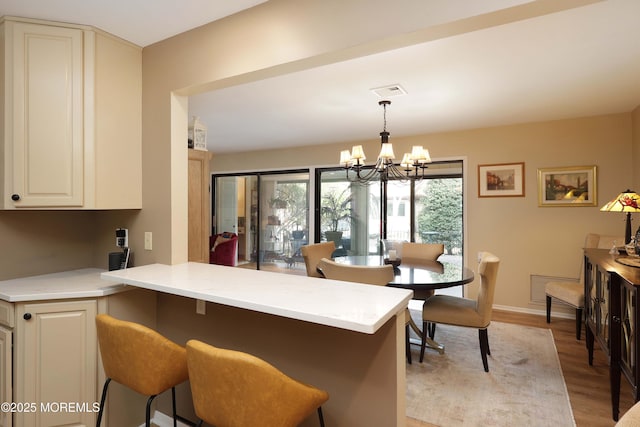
567 186
501 180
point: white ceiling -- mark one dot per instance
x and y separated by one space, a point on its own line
579 62
142 22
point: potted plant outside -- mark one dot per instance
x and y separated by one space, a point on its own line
336 208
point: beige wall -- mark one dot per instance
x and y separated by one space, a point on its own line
274 38
529 239
636 147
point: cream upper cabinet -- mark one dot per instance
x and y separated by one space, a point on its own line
71 117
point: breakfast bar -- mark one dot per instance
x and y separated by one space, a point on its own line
345 338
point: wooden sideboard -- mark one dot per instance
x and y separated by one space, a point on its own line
613 317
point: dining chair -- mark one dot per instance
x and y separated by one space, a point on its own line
140 359
572 292
313 253
235 389
417 252
631 418
457 311
372 275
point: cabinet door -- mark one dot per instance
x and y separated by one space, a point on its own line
56 358
47 121
6 378
628 334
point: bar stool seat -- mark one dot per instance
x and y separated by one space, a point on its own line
140 359
236 389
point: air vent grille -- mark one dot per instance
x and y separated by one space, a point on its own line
389 91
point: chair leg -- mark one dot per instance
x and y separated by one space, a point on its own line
148 411
484 347
423 343
199 423
320 417
102 400
548 309
173 401
578 323
432 330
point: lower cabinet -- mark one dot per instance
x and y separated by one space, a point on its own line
54 363
6 375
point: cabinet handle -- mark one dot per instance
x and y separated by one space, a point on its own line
27 316
15 197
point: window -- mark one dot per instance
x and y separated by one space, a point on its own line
429 210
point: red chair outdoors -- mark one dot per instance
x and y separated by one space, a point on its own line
223 248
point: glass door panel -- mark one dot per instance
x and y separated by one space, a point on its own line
235 210
349 214
284 213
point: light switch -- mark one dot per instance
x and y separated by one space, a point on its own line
148 240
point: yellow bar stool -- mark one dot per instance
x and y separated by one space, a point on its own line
140 359
235 389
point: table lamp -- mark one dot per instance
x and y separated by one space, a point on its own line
627 201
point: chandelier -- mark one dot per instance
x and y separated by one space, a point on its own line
412 166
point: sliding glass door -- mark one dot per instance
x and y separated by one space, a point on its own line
268 211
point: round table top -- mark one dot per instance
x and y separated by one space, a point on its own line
423 276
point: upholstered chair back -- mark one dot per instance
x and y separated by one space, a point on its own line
235 389
488 270
312 254
139 357
372 275
414 253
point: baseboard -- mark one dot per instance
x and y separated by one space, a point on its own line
537 312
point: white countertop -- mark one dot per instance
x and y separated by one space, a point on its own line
84 283
351 306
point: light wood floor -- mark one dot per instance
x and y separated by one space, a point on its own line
588 386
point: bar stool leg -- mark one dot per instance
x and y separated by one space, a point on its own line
148 411
102 400
320 416
173 400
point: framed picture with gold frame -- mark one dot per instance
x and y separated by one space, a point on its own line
501 180
567 186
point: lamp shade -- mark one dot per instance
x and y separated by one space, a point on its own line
627 201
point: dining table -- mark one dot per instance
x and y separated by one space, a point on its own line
423 277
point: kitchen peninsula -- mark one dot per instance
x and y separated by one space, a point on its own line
346 338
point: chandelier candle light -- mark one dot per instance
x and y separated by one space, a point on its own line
412 166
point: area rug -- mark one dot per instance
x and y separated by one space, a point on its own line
524 385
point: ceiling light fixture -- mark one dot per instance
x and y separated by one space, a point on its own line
412 166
